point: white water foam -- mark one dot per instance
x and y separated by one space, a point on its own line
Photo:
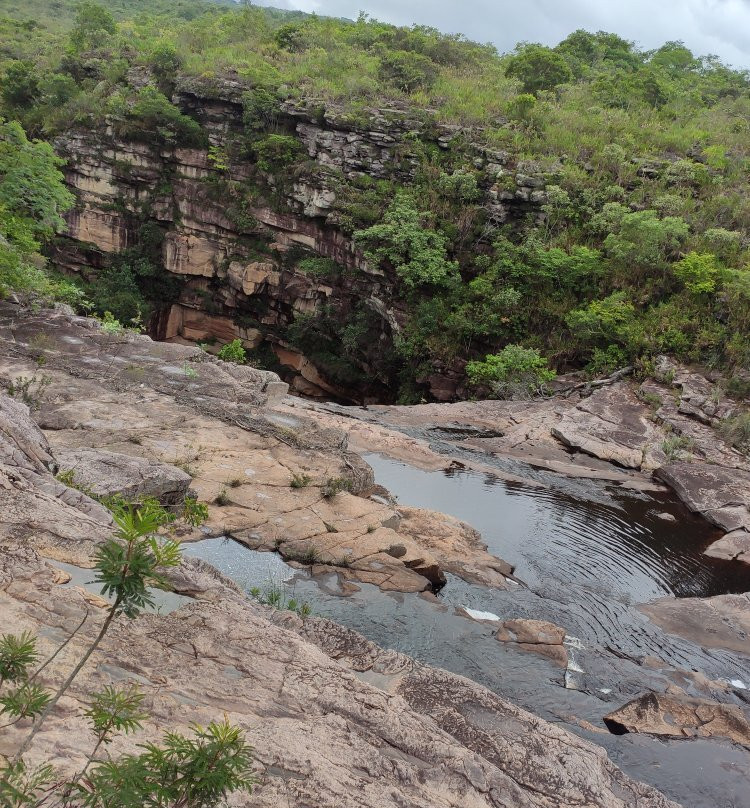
481 615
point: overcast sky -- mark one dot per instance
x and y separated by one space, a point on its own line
719 27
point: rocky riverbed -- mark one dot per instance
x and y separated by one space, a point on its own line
121 413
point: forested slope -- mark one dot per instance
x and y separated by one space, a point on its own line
583 206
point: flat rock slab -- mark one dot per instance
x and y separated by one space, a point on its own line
613 425
108 473
681 717
735 546
719 493
722 621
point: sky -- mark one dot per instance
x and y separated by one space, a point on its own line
720 27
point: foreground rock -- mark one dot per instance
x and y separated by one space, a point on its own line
681 717
127 414
303 692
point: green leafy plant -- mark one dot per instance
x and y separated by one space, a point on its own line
300 480
515 371
234 352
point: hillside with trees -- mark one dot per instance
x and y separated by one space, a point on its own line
629 238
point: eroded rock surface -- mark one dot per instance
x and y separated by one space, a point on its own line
323 734
681 717
612 425
131 415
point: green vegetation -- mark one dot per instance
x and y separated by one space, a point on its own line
513 372
32 199
195 772
592 207
234 352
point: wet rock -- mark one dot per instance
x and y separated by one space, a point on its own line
109 473
735 546
719 493
722 621
537 636
676 716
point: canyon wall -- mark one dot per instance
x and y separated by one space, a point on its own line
238 233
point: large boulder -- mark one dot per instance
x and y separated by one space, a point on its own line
681 717
106 474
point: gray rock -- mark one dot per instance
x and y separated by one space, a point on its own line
720 494
107 473
675 716
735 546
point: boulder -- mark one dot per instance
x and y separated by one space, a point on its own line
537 636
108 473
676 716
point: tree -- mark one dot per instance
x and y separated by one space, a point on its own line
181 771
92 27
417 254
31 184
20 84
234 352
538 68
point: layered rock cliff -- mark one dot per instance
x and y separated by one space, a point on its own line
239 232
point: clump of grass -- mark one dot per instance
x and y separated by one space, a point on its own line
675 446
300 480
310 555
275 595
222 498
236 482
736 431
335 485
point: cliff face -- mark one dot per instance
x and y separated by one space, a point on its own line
238 233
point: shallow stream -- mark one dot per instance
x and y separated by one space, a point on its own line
588 553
